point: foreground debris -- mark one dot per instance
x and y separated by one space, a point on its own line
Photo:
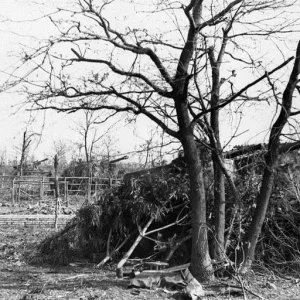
20 280
179 278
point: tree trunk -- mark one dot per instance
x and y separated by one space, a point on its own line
86 151
271 159
25 145
253 232
218 243
201 266
218 251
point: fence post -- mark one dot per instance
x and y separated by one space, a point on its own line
19 190
56 185
89 190
2 179
67 192
96 189
41 190
13 192
110 182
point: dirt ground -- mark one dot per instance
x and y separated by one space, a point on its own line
82 280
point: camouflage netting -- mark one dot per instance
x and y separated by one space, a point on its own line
121 210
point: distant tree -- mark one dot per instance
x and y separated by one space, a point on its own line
156 149
89 133
3 157
61 149
24 151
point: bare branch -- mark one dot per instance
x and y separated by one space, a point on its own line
215 19
235 96
121 72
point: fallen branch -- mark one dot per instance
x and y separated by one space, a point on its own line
175 246
110 255
239 280
134 245
108 242
177 222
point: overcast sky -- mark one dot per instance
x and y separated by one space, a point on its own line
14 118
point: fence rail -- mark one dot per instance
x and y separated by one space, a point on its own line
16 189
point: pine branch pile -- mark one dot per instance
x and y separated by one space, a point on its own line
111 225
122 210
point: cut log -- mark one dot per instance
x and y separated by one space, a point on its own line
156 265
165 272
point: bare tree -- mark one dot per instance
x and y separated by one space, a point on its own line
61 149
271 159
152 150
107 149
170 74
24 150
3 157
90 136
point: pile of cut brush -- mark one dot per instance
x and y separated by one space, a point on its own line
146 217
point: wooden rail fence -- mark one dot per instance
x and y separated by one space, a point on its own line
15 189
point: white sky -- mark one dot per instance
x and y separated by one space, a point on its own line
14 118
